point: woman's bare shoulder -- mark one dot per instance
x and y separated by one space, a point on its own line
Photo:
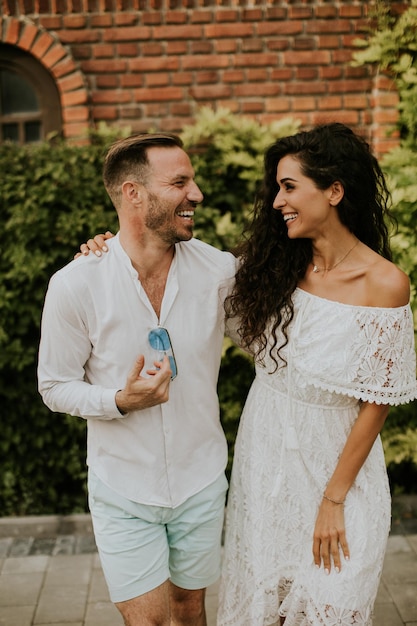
388 286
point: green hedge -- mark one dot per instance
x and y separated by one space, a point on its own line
51 200
392 47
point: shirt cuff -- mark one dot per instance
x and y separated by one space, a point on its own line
110 408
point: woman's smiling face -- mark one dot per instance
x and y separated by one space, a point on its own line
304 208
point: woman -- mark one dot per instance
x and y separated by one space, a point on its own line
326 314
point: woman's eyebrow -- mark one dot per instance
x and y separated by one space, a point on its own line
288 178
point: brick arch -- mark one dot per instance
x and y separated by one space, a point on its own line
70 81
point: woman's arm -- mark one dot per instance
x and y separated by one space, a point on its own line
329 533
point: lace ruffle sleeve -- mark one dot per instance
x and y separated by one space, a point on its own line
364 352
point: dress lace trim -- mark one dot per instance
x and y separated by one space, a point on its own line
302 611
362 352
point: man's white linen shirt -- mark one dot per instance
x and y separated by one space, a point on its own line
95 323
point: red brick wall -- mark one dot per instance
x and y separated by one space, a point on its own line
152 63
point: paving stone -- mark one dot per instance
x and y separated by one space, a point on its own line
64 544
412 540
25 565
387 615
85 544
60 574
398 543
5 545
98 587
102 614
405 600
45 525
21 546
96 561
211 603
400 568
17 616
20 589
58 602
42 546
382 596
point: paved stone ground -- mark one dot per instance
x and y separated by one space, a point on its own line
50 574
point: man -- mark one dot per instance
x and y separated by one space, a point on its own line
114 332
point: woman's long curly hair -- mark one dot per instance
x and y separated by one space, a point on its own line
272 264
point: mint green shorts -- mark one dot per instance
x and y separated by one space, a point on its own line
142 546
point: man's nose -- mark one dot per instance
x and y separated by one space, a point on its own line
194 193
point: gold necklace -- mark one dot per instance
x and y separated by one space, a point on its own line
317 269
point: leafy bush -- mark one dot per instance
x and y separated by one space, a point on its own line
399 434
400 166
393 47
51 199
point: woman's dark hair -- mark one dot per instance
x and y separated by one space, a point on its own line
271 264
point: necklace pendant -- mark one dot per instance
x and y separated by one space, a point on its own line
315 269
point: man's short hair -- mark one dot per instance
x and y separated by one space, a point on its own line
127 159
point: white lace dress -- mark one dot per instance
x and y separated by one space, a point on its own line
292 431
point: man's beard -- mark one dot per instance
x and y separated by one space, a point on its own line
160 222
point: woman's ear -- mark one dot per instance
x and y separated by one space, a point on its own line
337 192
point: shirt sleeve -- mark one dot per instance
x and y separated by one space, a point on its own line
64 349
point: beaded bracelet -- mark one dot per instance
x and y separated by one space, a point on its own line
334 501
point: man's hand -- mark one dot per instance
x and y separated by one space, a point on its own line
97 245
142 393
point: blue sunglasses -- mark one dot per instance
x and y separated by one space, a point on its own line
160 341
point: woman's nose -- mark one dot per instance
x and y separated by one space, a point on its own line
278 201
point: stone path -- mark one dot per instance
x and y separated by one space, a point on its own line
50 574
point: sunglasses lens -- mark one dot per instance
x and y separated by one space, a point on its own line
159 339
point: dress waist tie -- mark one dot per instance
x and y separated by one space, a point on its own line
289 439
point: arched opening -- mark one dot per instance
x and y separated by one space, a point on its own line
30 107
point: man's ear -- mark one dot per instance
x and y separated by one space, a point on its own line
132 192
336 193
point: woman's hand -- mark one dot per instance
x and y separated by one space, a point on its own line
329 536
329 540
97 245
